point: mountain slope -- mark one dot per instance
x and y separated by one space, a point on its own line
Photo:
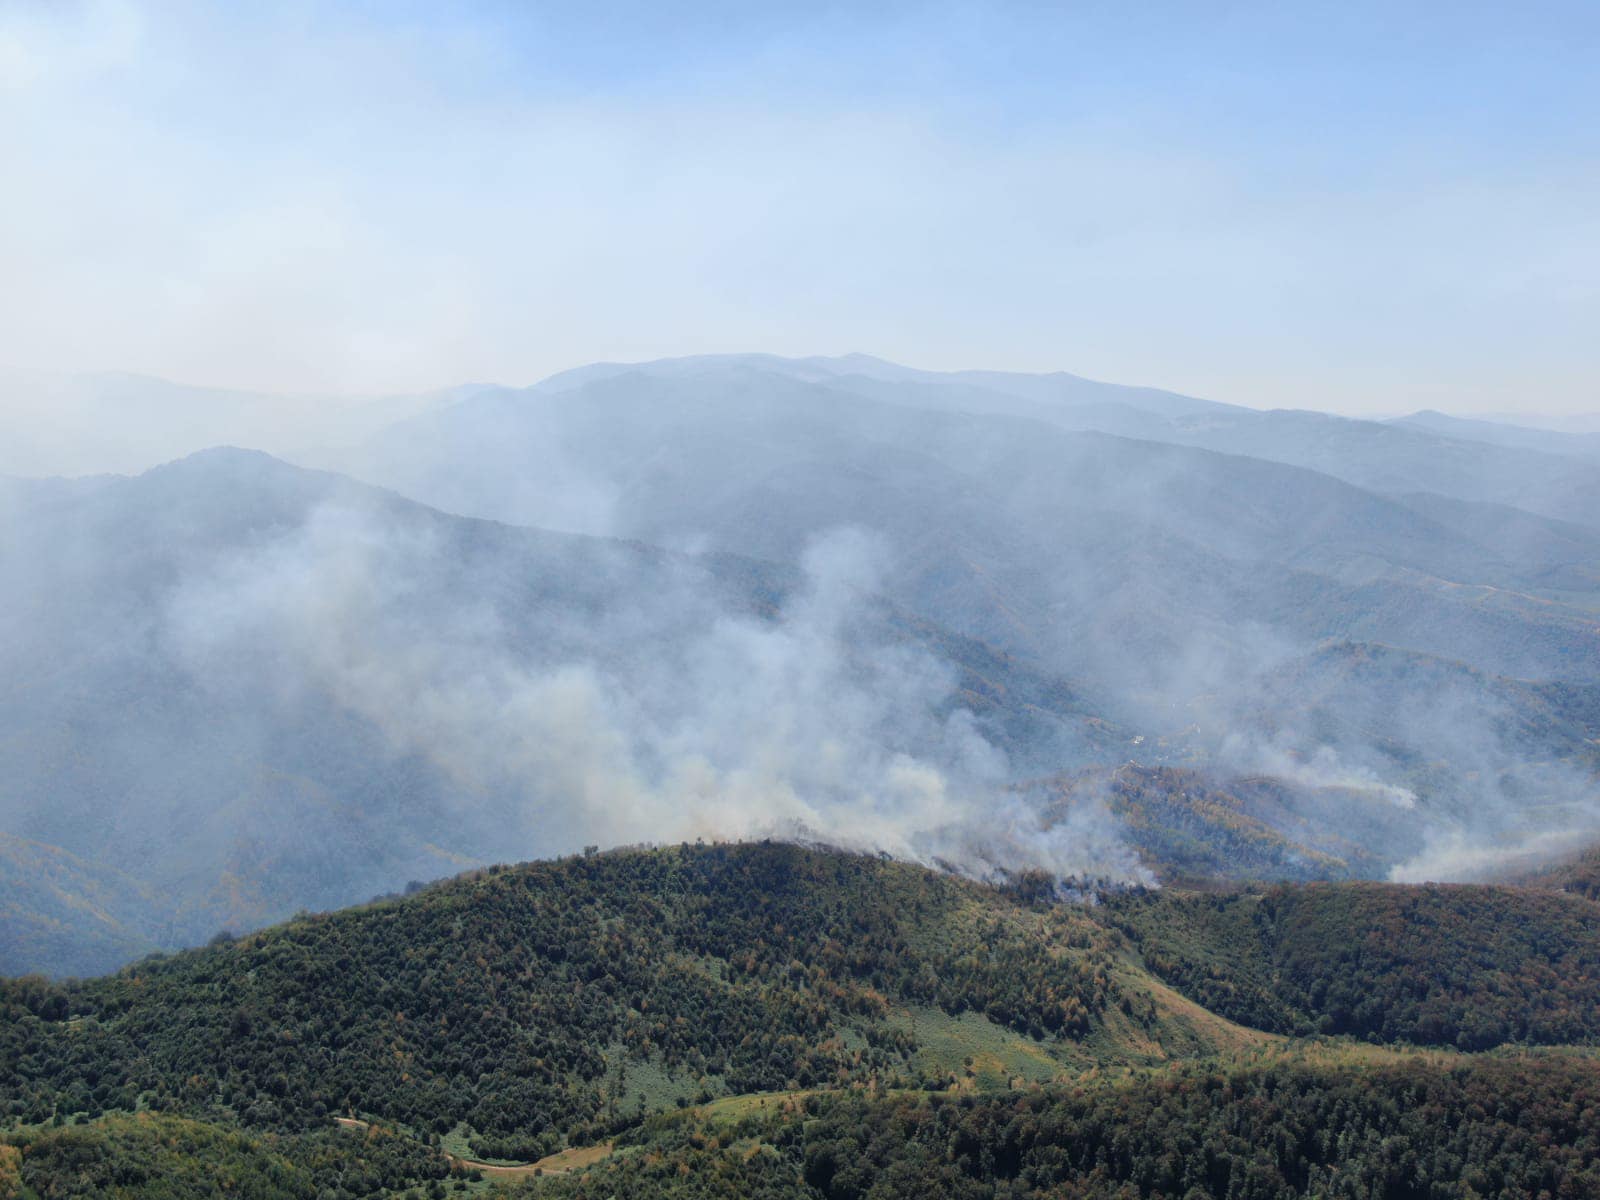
1471 461
1179 587
67 916
773 1020
1460 965
873 604
1000 527
257 688
1464 460
1398 459
560 1000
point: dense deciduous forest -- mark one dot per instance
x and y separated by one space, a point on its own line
1514 1128
1523 1126
1456 965
175 1158
514 1000
902 1021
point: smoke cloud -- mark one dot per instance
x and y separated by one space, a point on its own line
663 717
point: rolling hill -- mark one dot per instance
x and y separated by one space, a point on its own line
768 1019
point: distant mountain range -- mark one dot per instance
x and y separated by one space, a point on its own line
1578 442
934 614
118 423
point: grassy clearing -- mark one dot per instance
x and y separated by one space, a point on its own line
1182 1028
645 1086
458 1144
575 1158
730 1110
977 1052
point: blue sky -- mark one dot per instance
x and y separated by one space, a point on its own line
1366 208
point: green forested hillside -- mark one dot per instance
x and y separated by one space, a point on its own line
558 1000
150 1155
1507 1128
1460 965
1524 1128
768 1019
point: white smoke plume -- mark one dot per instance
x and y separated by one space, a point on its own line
1321 768
666 717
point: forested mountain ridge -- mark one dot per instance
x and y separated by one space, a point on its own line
1464 965
517 1011
1471 460
513 1000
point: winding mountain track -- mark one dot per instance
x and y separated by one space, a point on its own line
572 1159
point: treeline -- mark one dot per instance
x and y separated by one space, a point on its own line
1445 965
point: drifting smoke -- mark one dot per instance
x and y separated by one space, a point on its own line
659 717
257 687
1321 769
1080 838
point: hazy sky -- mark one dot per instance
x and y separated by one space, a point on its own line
1341 205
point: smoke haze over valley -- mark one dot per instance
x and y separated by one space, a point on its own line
987 621
415 454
